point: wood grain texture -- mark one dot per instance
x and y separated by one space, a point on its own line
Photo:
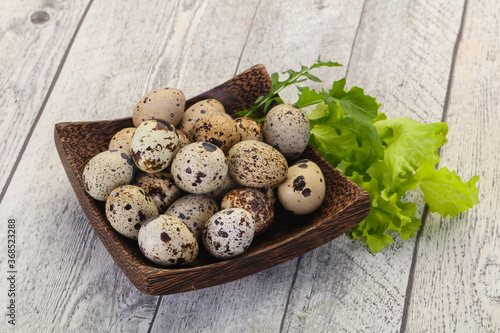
72 284
34 36
342 286
457 287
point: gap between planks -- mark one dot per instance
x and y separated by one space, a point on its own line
44 103
425 214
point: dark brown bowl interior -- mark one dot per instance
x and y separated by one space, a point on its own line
344 207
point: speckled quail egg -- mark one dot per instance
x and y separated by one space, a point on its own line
196 111
287 129
153 145
229 233
256 164
249 129
107 171
167 241
199 168
194 210
255 202
304 189
121 140
164 104
270 193
161 187
227 185
217 128
127 207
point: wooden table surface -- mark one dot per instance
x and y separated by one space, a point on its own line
92 60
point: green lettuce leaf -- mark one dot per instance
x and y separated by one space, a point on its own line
447 194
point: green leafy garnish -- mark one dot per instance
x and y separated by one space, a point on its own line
386 157
277 86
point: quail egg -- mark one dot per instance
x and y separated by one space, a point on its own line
121 140
256 164
161 187
199 168
127 207
287 129
227 185
255 202
164 104
229 233
194 210
167 241
107 171
196 111
153 145
304 189
217 128
249 128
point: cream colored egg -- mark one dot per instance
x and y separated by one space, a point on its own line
199 168
249 129
153 145
164 104
304 189
127 207
121 140
287 129
229 233
107 171
194 210
217 128
196 111
161 187
167 241
256 164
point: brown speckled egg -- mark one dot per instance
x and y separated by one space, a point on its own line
304 189
227 185
287 129
199 168
161 187
229 233
256 164
165 104
255 202
167 241
127 207
194 210
217 128
121 140
270 193
153 145
196 111
107 171
249 129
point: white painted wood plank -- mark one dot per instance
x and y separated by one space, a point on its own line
34 36
66 279
457 281
282 35
402 55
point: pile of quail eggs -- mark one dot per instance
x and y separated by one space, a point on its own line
180 180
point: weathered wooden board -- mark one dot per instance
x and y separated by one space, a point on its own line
281 36
457 284
34 38
68 281
342 286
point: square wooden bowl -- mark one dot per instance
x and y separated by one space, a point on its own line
345 205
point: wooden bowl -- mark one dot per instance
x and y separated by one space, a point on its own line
345 205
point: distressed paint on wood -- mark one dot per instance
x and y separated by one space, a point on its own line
457 287
34 36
